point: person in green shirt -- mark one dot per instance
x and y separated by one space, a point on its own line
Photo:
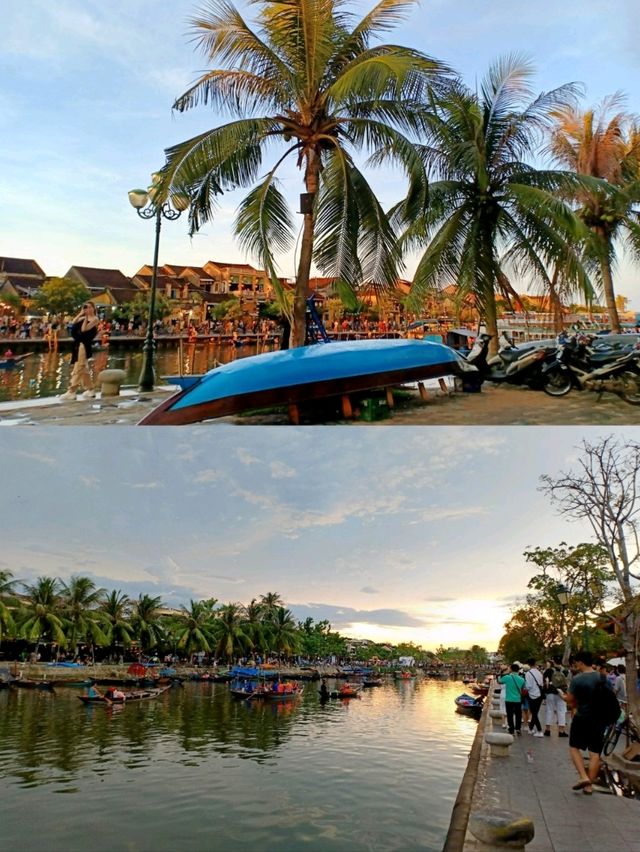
513 683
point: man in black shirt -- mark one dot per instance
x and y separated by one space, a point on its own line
587 731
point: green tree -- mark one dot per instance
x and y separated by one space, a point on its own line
605 492
40 617
7 605
270 603
283 636
61 295
195 628
230 309
489 211
309 78
232 636
146 623
139 307
83 621
604 143
115 608
254 624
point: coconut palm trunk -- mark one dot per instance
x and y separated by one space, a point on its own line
607 282
299 327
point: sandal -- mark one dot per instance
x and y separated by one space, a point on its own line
581 785
588 790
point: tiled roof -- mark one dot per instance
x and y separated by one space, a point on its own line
101 279
222 265
20 266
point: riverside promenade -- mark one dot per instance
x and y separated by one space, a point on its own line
535 781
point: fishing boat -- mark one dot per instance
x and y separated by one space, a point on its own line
7 362
28 683
265 692
136 695
349 690
468 705
292 376
405 676
369 682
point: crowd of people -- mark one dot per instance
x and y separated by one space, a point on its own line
583 689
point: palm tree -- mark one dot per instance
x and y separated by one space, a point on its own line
115 609
270 603
604 143
488 209
254 624
194 628
308 80
145 621
7 603
41 613
232 638
284 637
82 618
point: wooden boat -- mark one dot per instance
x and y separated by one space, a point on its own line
13 361
405 676
480 689
468 705
292 376
137 695
372 681
27 683
350 690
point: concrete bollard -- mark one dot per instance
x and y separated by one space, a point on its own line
496 718
498 829
110 382
499 744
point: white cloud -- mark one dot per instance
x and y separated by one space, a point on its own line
280 470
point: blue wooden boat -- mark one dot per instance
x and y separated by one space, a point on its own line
7 362
308 373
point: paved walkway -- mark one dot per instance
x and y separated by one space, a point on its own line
564 821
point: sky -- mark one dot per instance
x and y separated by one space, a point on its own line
86 89
391 534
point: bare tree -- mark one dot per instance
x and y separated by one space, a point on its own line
604 491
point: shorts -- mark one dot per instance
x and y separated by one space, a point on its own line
586 734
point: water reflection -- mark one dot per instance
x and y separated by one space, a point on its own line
377 772
47 374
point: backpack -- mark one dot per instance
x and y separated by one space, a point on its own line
604 705
559 680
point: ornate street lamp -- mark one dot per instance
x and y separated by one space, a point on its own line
562 596
149 205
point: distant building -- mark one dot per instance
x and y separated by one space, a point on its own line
23 275
108 287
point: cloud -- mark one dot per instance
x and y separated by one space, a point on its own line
342 616
280 470
245 457
206 476
453 513
369 590
147 485
89 481
41 458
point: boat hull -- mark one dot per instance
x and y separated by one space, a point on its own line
142 695
306 374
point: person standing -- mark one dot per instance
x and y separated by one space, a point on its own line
587 730
84 328
620 686
556 682
534 683
513 684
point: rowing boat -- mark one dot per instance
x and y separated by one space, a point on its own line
292 376
137 695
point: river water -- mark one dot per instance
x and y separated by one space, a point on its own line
197 770
47 374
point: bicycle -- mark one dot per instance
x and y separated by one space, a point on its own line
612 734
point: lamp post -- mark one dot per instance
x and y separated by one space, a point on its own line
149 206
562 595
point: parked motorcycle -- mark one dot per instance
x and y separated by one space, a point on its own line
518 365
577 364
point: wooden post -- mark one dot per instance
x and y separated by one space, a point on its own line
347 410
423 392
443 386
294 414
390 400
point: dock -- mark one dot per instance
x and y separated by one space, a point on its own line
535 781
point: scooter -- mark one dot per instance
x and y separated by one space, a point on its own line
574 366
517 365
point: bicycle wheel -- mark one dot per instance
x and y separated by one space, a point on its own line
631 393
611 737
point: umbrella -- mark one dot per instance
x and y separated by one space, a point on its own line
617 661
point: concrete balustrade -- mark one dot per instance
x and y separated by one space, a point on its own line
499 743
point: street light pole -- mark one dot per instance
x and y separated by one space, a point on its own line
148 206
562 594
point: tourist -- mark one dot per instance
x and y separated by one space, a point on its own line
556 682
84 328
324 690
620 686
534 683
587 731
513 684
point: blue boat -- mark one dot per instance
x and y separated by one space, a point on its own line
291 376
